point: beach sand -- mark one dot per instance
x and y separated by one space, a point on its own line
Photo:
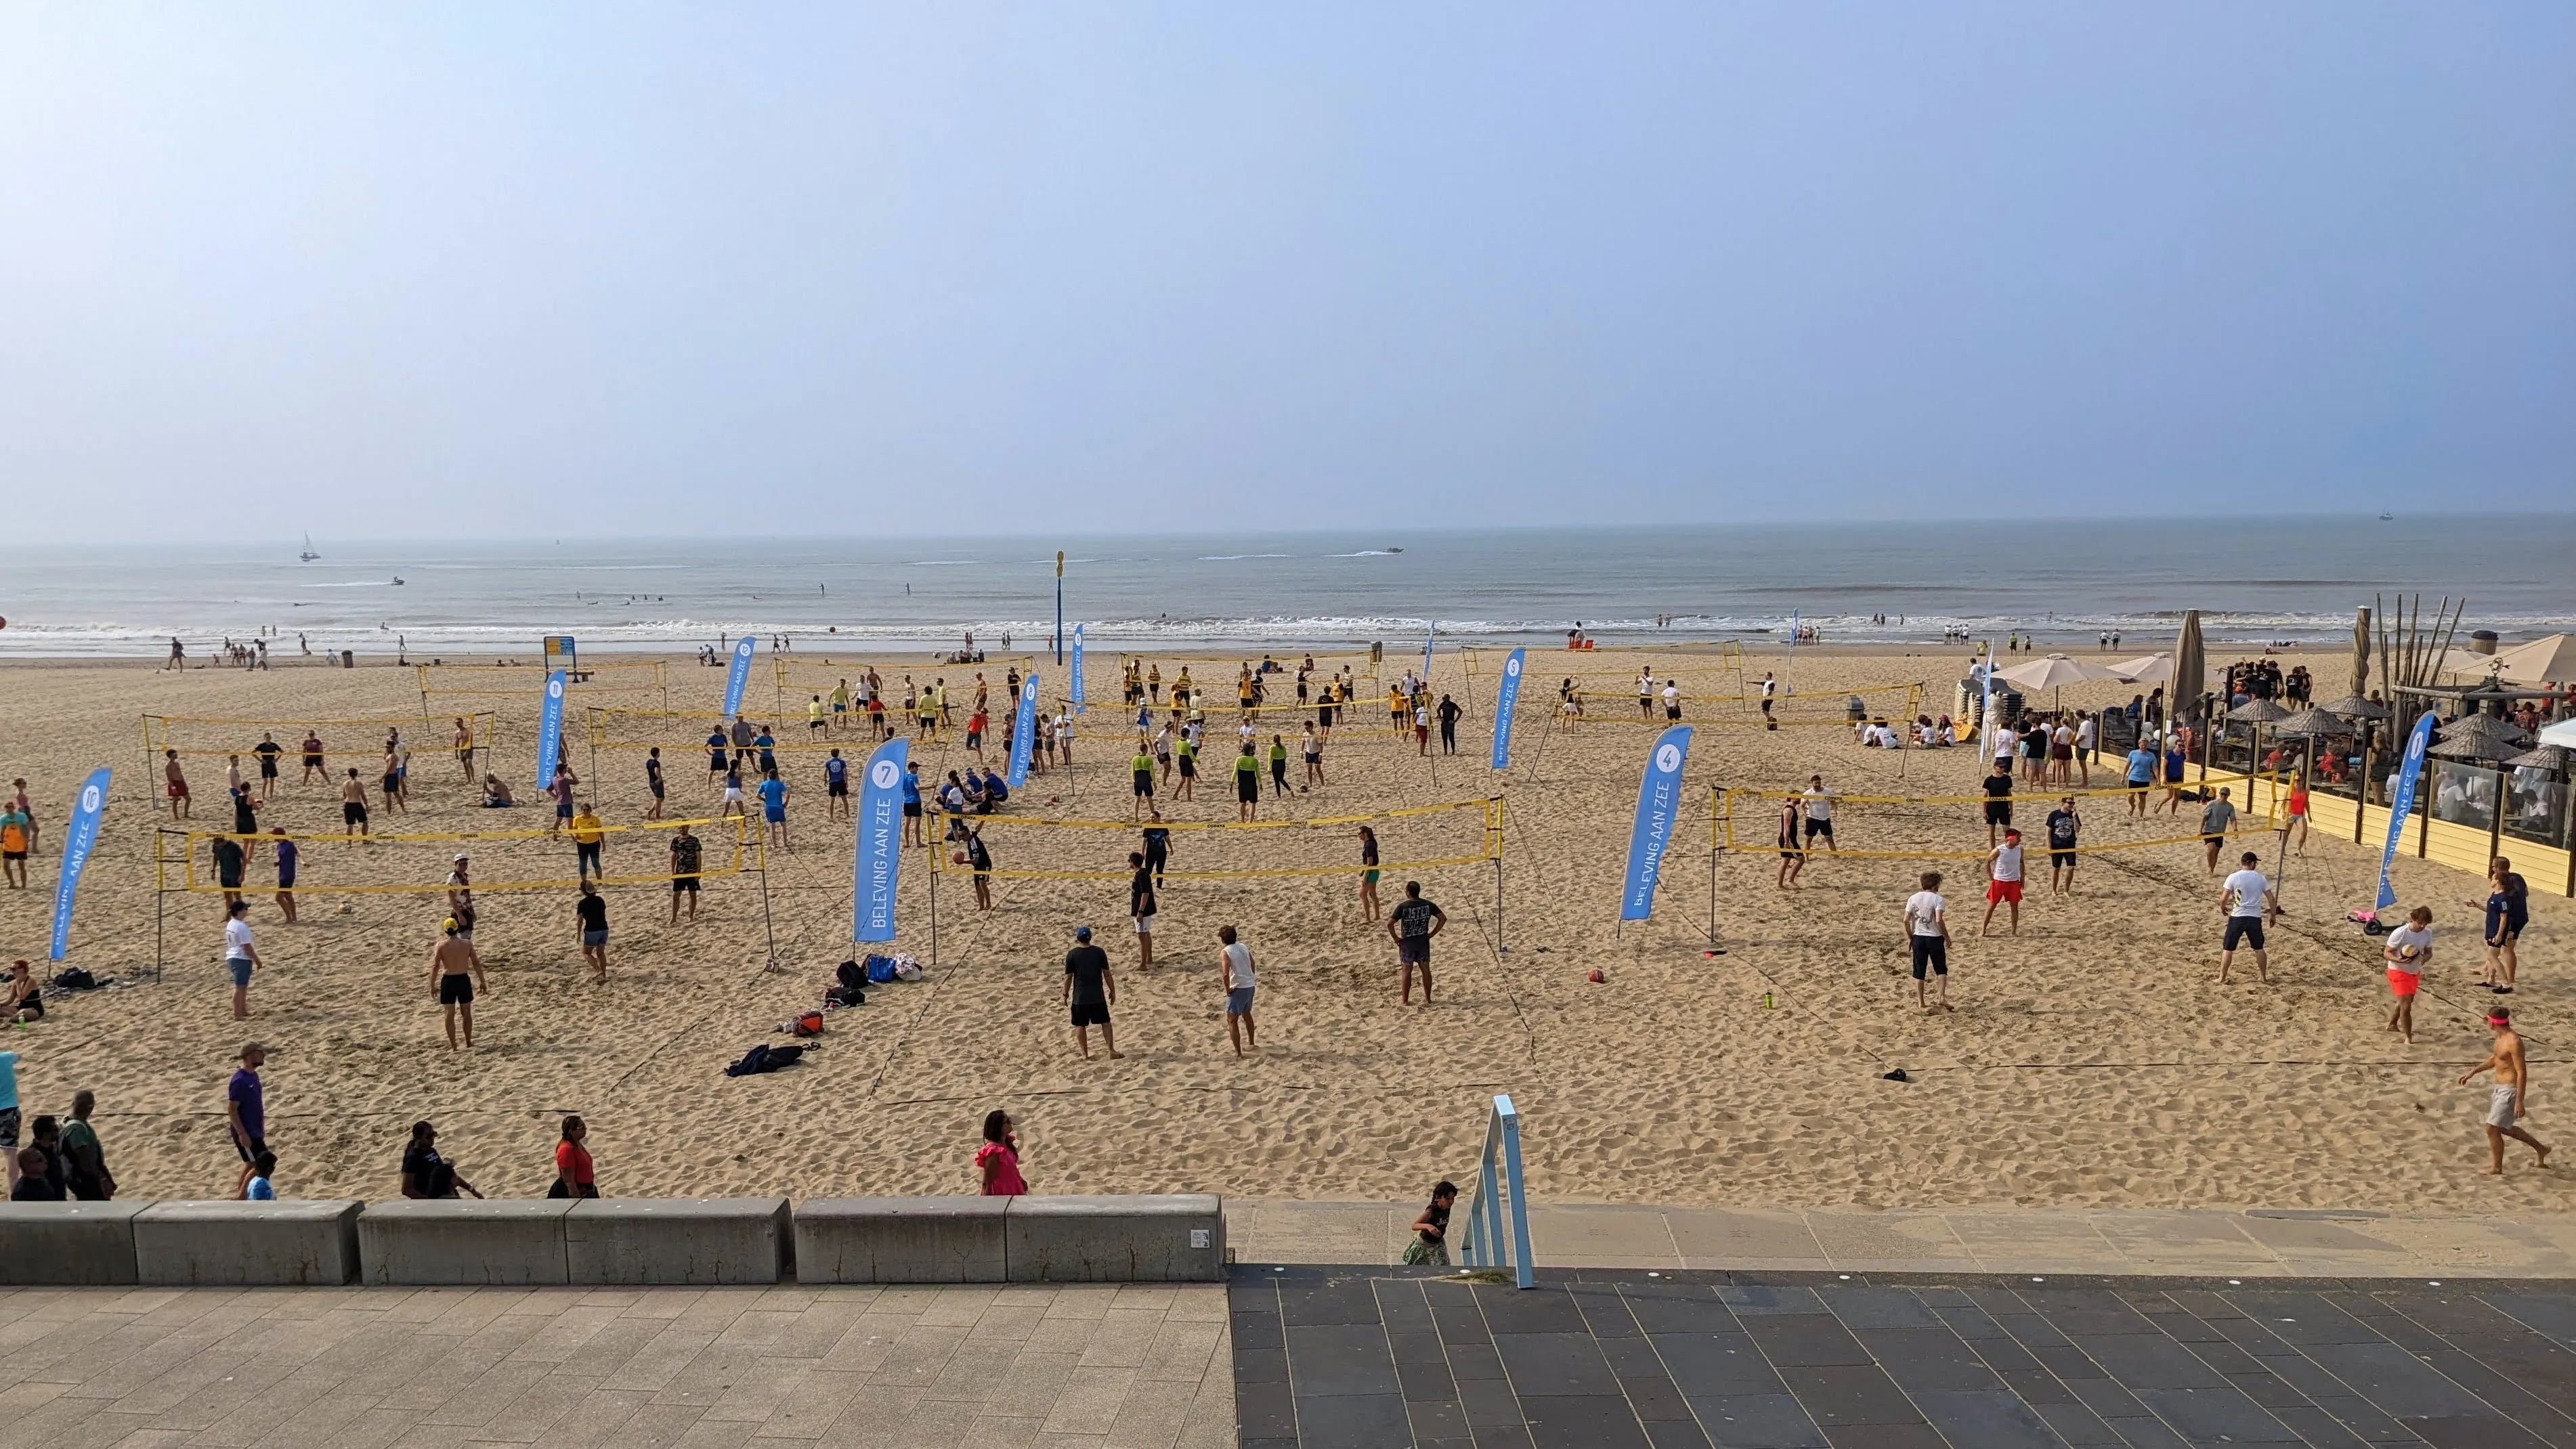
2092 1061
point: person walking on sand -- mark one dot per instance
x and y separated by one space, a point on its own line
1278 767
686 854
836 787
1368 874
561 789
2003 882
246 1110
773 807
2245 898
1412 924
454 973
175 784
1140 908
2064 825
353 805
1793 855
1820 812
588 836
1927 931
392 781
1090 989
241 957
2140 777
2509 1094
1141 770
17 837
1247 785
2407 951
465 749
592 912
653 782
1314 753
2508 911
1234 972
1770 687
912 828
2215 818
997 1162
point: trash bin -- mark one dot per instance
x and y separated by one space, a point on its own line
348 658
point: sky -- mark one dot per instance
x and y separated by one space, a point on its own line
465 270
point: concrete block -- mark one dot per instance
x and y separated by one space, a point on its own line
247 1243
68 1242
701 1240
440 1241
901 1240
1178 1238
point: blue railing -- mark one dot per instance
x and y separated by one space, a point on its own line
1497 1192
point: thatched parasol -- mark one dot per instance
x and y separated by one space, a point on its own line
2353 706
2484 726
2486 749
2310 723
2360 652
2546 757
2258 711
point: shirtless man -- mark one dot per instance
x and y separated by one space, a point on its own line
455 971
353 804
2509 1097
175 781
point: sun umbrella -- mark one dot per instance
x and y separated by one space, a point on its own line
2542 661
2546 757
2056 671
2190 665
2145 669
2353 706
2258 711
2360 653
2561 733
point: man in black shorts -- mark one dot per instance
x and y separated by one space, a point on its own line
1413 923
2063 825
1142 769
454 972
268 750
1089 989
1998 783
685 856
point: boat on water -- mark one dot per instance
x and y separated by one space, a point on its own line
308 555
397 581
2385 516
1394 548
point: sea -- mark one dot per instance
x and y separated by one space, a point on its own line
2254 579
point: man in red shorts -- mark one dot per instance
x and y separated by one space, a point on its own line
2003 881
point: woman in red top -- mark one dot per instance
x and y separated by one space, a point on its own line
999 1158
572 1163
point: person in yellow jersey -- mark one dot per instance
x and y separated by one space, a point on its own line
587 835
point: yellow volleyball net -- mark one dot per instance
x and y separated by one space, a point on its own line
1411 840
1748 821
512 679
328 863
355 736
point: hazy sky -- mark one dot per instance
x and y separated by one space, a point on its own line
466 269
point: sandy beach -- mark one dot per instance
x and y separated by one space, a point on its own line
2092 1061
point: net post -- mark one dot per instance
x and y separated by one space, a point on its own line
768 928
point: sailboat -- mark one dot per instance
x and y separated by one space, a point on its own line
308 555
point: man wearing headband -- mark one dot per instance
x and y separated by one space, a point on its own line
2509 1096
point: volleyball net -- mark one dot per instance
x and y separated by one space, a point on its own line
197 735
680 731
418 864
1412 840
513 680
1747 821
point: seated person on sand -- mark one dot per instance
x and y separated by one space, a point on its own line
26 997
996 790
496 792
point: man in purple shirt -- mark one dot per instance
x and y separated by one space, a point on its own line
246 1112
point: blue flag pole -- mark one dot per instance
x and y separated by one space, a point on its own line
1505 700
550 730
1025 728
1076 690
1659 799
739 675
80 839
2401 804
877 843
